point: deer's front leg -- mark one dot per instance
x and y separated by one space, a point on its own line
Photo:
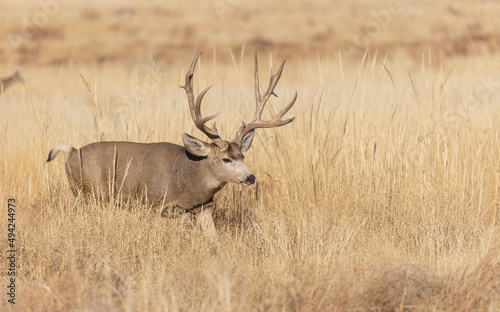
206 222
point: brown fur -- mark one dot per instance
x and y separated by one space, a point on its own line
160 174
156 171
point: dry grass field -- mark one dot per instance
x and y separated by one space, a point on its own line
382 195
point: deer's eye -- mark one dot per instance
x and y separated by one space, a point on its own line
226 160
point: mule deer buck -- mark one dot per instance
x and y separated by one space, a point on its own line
9 81
164 174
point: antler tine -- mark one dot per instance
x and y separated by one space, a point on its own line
256 77
261 101
285 110
273 123
273 81
195 108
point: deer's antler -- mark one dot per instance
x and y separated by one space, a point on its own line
195 109
261 103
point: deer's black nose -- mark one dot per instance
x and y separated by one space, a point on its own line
250 179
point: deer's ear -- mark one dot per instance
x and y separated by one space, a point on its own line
246 142
196 147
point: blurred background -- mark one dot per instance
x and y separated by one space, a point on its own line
48 32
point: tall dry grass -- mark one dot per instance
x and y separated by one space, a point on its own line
382 195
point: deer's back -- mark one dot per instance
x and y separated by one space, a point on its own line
126 168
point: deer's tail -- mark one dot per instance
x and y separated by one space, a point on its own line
67 149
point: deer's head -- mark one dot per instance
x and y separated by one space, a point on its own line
226 157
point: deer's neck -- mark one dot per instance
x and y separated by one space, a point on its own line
196 183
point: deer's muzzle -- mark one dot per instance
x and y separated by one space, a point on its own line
249 180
